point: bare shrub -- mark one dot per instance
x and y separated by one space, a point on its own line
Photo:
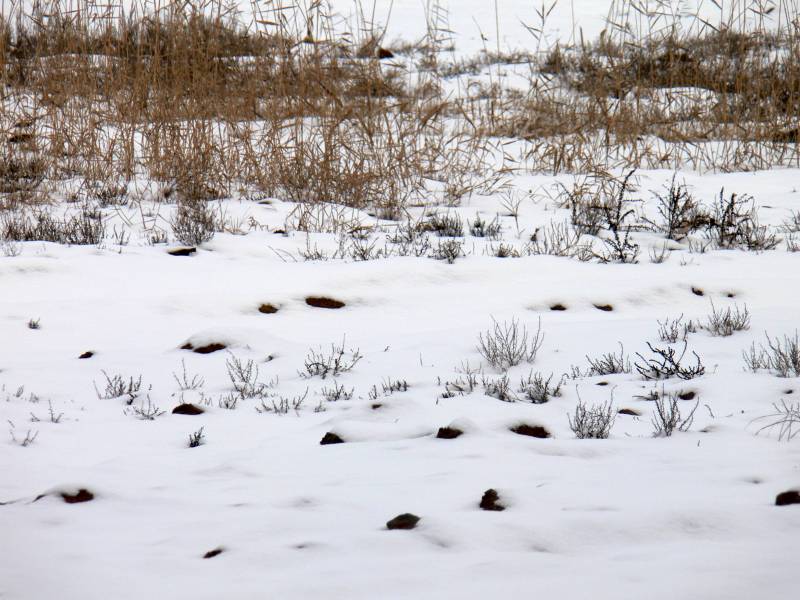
680 213
592 422
499 388
664 363
508 344
785 418
30 437
116 386
674 330
84 228
667 417
733 223
282 405
610 363
197 438
194 223
486 229
336 393
185 381
244 376
448 251
781 356
319 363
724 323
536 389
559 239
145 411
444 225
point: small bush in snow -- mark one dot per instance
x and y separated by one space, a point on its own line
185 381
444 225
197 438
281 405
726 322
610 363
594 422
780 356
508 344
664 363
117 386
244 377
786 418
25 441
536 389
447 250
194 223
333 363
680 213
84 228
499 388
674 330
336 393
733 223
667 417
485 229
146 412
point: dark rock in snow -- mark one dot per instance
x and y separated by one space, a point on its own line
187 409
206 349
323 302
330 438
448 433
536 431
182 251
629 411
787 498
83 495
404 521
491 501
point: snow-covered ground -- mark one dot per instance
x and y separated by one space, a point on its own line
690 516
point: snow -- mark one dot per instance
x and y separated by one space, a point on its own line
690 516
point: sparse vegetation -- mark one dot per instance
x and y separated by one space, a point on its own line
667 417
592 422
782 356
508 344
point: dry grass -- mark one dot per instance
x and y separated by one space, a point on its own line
194 97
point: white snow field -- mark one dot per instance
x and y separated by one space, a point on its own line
691 515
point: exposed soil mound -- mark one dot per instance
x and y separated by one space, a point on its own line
82 495
182 251
323 302
187 409
631 412
404 521
491 501
205 349
536 431
330 438
449 433
787 498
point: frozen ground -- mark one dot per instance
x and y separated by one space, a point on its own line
691 516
